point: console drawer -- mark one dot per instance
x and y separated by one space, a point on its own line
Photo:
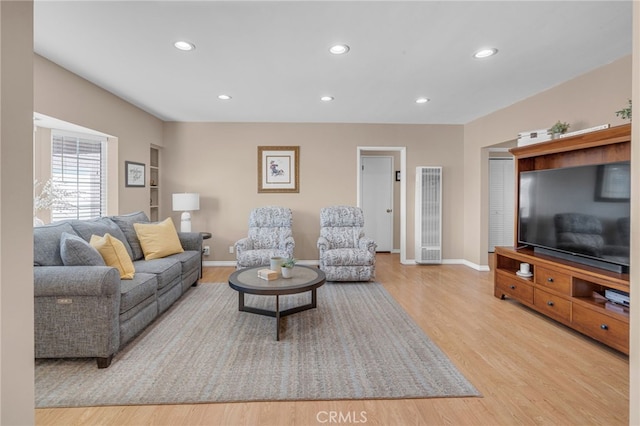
552 305
515 287
603 328
553 280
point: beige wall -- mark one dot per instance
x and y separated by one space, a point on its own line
586 101
16 241
219 161
65 96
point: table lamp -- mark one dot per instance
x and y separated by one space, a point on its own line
186 203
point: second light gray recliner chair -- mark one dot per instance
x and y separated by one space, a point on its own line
269 235
345 253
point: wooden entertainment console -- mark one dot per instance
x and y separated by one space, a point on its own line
569 292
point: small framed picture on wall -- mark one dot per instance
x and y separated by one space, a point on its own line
134 174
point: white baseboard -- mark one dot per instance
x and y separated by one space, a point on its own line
481 268
219 263
233 262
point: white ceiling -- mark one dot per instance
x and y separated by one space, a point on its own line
273 59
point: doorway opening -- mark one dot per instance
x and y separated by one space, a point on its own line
399 219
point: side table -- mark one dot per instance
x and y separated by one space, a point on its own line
205 236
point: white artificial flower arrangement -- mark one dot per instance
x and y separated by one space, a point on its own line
51 196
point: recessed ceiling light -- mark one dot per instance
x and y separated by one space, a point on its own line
339 49
485 53
422 100
326 98
224 97
184 45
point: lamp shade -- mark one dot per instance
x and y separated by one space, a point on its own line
184 202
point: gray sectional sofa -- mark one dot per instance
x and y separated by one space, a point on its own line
88 311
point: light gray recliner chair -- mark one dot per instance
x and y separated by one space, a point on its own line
345 253
269 235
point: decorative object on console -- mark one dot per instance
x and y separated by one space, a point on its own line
558 129
625 113
134 174
533 136
278 169
186 203
583 131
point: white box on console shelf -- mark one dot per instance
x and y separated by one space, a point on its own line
533 136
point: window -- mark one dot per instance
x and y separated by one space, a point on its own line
78 166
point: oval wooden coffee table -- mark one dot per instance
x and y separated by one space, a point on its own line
304 279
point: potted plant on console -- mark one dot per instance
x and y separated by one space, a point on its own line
287 267
558 129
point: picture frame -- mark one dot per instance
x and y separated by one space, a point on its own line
134 174
278 169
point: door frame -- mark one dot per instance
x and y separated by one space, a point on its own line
403 189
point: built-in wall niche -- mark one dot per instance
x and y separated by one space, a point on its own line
154 183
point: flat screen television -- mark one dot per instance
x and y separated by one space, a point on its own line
578 213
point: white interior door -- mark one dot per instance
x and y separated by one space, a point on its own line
377 199
501 202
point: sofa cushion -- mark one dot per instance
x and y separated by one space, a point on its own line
158 239
46 243
167 270
114 254
189 260
100 226
125 222
348 257
135 291
75 251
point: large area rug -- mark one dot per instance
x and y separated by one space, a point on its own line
357 344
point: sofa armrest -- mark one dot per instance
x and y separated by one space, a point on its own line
289 245
243 244
54 281
76 312
367 244
191 240
323 244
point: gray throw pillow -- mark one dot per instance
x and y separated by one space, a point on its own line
125 222
75 251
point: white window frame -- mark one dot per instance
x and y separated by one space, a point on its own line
82 192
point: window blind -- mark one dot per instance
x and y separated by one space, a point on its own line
78 166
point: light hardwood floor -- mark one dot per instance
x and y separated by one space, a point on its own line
530 370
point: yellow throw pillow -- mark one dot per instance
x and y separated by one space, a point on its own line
114 254
158 239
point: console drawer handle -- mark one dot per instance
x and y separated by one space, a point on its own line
550 279
604 327
550 303
512 287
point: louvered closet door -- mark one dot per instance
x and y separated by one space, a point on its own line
501 202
